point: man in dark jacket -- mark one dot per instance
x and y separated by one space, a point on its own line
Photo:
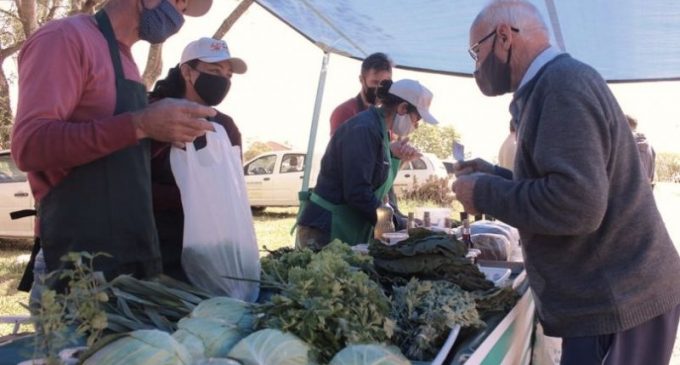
596 250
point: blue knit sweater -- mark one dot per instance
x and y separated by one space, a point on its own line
598 256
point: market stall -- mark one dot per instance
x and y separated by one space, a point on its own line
421 296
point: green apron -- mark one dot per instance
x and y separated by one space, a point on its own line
105 205
347 223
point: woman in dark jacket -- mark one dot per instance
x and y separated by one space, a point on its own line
359 165
203 76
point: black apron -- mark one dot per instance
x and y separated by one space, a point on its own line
105 205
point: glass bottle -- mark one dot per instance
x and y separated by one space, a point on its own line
465 229
384 222
467 238
411 223
427 223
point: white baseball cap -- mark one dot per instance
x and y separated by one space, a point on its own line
416 94
197 7
211 51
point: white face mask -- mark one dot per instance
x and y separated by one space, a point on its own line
402 125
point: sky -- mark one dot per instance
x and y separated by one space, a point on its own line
275 99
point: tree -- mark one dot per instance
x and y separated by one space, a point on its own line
255 149
435 139
22 17
19 20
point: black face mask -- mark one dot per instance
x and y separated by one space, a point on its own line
369 94
212 88
493 76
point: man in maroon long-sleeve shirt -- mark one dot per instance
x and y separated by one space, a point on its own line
82 130
374 69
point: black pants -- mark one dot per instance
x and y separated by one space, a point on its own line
650 343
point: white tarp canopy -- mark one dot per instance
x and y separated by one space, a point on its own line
625 40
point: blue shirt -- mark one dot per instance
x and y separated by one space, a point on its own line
352 168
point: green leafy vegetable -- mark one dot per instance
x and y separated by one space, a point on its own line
326 301
426 311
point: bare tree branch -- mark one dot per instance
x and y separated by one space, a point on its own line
154 65
28 10
10 50
10 14
232 18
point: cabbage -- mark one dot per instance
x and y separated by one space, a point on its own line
369 355
208 337
271 347
140 348
217 361
229 310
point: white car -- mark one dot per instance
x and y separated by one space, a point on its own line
419 170
15 194
273 179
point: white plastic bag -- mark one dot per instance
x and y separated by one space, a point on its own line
219 236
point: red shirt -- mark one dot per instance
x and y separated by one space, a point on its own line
67 97
345 111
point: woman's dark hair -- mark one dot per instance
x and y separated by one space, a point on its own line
391 101
172 86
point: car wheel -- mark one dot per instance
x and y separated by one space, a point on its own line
257 209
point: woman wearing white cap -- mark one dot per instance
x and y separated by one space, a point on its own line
359 165
203 76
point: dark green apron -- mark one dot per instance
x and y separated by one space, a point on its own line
347 223
105 205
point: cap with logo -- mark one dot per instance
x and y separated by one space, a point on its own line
211 51
416 94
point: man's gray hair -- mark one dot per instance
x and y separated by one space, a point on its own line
520 14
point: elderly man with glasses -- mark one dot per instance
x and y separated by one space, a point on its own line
598 256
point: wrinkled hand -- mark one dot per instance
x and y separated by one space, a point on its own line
471 166
404 151
173 120
464 188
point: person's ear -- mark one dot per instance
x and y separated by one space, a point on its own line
402 108
185 69
504 35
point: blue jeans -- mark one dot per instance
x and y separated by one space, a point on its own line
39 272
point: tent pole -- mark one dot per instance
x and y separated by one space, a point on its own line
315 121
555 21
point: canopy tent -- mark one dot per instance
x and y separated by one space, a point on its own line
625 40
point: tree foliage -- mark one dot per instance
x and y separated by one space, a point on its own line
18 21
21 18
255 149
435 139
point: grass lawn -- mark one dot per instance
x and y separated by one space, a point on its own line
10 274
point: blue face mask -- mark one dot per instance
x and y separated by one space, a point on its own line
158 24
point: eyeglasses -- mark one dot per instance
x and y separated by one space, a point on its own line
474 49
